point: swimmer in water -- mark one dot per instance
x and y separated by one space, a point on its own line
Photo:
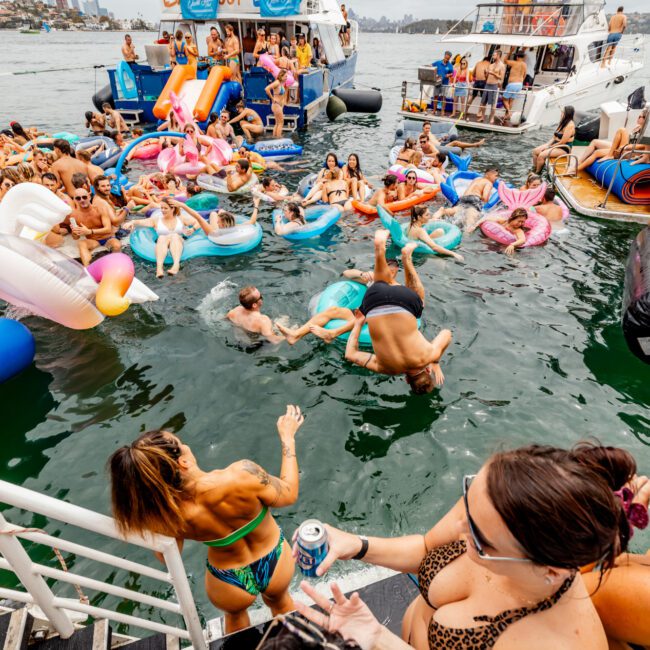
386 194
533 180
514 224
248 315
420 216
468 210
295 220
550 209
275 191
222 220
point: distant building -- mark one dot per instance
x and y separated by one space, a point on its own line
75 5
91 8
62 5
103 11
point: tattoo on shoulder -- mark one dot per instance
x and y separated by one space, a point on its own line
257 471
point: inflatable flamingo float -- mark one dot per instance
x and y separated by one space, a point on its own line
538 229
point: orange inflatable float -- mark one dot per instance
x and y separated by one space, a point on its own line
396 206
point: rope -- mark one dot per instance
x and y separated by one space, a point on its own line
82 597
23 72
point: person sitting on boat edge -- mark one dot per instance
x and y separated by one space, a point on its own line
445 71
560 144
492 572
248 315
157 486
391 313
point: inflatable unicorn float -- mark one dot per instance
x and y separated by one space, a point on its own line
184 160
46 281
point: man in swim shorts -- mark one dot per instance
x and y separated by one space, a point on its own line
231 46
92 228
114 119
479 75
248 315
515 82
65 165
617 25
224 130
128 51
392 312
468 209
239 176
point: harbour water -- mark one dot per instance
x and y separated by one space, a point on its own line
538 354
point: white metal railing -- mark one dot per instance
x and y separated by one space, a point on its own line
31 575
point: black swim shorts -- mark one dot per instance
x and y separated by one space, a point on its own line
382 294
471 201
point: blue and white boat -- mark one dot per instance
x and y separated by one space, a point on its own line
134 89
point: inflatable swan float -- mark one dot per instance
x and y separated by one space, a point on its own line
47 282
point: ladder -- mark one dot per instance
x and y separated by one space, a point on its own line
290 123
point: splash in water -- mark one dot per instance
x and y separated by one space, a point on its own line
216 304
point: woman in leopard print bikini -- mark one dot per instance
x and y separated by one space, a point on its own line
501 569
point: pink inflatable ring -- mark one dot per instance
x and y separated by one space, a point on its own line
538 229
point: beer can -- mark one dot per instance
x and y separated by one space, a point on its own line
312 546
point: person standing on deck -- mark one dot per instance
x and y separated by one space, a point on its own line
233 52
617 25
495 74
128 51
515 85
445 71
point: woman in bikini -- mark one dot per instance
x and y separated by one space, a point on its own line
261 44
192 52
315 193
560 144
335 190
172 225
410 186
249 121
420 216
405 156
295 220
278 96
158 487
354 176
501 569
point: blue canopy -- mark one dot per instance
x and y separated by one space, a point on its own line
199 9
274 8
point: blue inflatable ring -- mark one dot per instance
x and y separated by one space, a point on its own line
280 149
448 188
398 233
319 218
143 244
126 80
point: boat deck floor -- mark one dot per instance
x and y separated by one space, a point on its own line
586 196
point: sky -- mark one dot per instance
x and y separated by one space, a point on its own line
375 8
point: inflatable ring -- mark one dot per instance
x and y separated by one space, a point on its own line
539 230
319 218
450 238
279 149
345 293
203 201
114 273
217 184
231 241
397 206
17 348
456 184
400 171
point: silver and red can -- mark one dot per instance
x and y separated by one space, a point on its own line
312 546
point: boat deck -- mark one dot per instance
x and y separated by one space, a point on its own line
469 122
586 196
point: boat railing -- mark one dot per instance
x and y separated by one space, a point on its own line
570 162
538 19
60 610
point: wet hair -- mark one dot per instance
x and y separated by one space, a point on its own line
247 297
389 179
63 146
50 177
179 34
442 157
540 490
98 180
567 116
18 130
213 118
492 169
356 172
421 384
146 485
518 213
532 177
393 262
296 214
228 219
244 164
191 188
88 115
549 194
79 179
416 212
619 9
266 182
174 208
83 155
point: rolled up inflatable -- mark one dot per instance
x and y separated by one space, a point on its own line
17 348
319 218
450 238
635 315
538 228
631 182
350 100
114 273
266 61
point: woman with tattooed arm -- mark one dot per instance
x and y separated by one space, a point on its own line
158 487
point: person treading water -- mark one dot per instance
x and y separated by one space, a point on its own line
392 311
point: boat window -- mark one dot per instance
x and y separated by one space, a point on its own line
558 58
596 51
329 36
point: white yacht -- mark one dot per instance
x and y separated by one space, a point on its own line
564 43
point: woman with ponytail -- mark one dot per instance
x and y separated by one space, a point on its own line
158 487
502 568
420 216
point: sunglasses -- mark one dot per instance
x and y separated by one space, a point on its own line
82 198
7 185
476 533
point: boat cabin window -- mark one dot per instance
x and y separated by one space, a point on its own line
558 58
329 36
596 51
